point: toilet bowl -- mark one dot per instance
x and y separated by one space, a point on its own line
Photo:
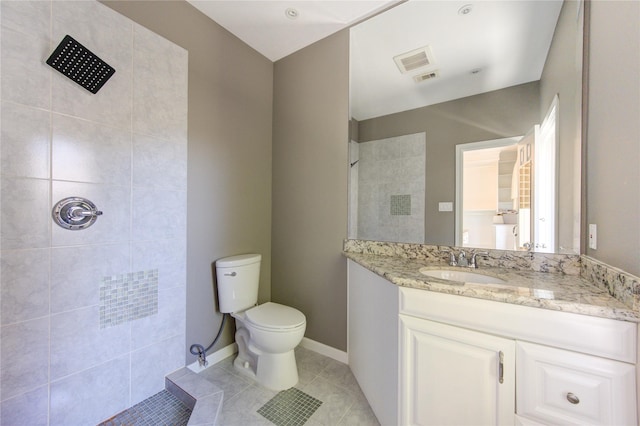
266 334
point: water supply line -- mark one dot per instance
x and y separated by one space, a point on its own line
200 351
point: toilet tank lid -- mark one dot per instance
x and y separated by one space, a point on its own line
239 260
274 315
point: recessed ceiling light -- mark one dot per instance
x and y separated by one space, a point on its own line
465 10
291 13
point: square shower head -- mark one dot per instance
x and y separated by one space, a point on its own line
80 64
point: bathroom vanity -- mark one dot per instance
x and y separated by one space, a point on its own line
537 348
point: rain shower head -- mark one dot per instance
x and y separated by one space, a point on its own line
79 64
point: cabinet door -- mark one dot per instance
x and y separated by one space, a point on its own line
454 376
556 386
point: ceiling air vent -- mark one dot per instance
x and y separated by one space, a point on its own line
413 60
425 76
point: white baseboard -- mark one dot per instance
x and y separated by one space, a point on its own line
214 358
325 350
306 343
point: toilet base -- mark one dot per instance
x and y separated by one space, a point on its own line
273 371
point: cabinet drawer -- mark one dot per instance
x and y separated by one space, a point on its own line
556 386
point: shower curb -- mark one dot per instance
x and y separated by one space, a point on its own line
203 397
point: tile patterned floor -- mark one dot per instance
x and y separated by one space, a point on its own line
160 409
322 378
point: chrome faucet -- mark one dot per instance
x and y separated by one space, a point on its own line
461 259
452 257
473 263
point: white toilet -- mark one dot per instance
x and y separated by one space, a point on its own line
266 334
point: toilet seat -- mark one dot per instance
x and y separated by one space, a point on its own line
275 317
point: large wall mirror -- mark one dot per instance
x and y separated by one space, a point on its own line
466 124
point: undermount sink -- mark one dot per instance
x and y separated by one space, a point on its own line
461 276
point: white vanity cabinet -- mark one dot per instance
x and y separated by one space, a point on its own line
454 376
373 340
452 352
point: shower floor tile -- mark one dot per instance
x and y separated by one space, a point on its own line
160 409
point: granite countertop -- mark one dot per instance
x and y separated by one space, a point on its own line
554 291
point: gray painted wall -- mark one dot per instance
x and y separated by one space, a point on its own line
613 133
310 136
498 114
229 154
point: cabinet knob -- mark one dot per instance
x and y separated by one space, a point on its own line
572 398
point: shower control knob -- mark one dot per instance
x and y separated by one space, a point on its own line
75 213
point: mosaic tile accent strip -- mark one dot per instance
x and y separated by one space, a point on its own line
568 264
290 407
401 205
619 284
159 409
127 297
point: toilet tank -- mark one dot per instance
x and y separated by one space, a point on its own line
238 279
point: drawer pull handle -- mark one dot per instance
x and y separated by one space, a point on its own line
501 367
572 398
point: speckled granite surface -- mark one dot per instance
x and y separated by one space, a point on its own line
619 284
506 259
527 282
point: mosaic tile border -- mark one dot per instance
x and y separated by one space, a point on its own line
621 285
568 264
127 297
400 205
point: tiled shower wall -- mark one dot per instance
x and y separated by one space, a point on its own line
75 348
391 189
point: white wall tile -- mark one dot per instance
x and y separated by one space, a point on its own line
94 395
159 214
159 163
28 409
24 278
25 75
393 166
169 257
84 151
78 342
26 217
151 364
160 86
169 322
112 226
76 273
92 158
24 362
29 17
25 141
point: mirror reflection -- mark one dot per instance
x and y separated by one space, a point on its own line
434 84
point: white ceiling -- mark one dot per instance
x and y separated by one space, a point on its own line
263 25
507 40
